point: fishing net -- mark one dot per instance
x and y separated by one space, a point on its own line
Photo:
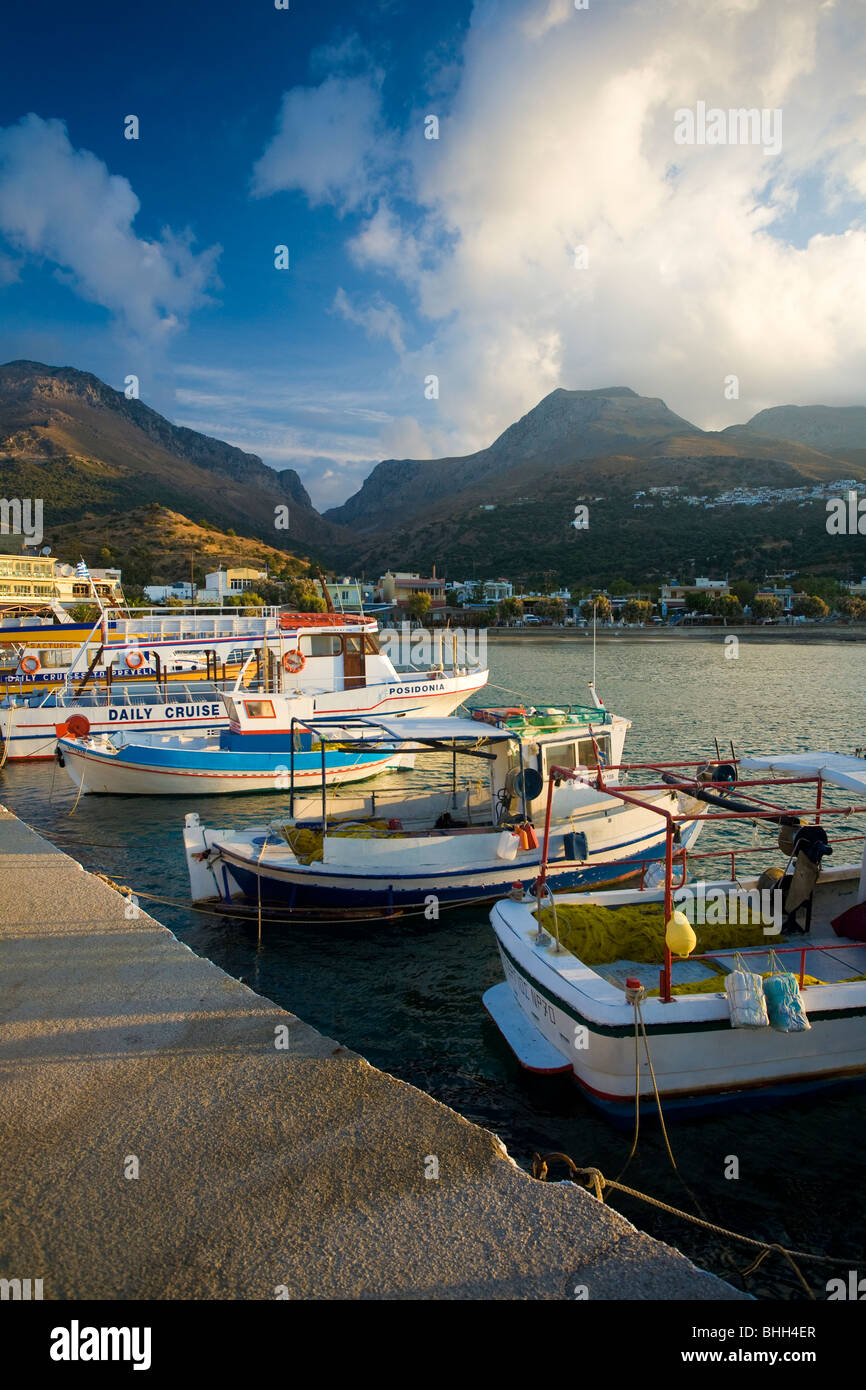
601 935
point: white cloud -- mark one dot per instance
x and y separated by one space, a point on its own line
330 435
379 319
10 270
330 143
702 261
62 206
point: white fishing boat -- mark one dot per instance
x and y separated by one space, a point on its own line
332 659
243 758
463 843
588 977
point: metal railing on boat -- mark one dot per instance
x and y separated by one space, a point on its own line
699 783
802 951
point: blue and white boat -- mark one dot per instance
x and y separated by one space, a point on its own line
467 841
242 758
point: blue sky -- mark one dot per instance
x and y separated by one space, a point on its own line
410 256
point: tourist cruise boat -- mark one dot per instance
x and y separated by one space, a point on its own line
464 842
331 659
583 973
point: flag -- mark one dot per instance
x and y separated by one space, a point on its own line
81 570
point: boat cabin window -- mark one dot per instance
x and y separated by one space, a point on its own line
371 643
582 754
587 752
559 755
320 644
259 709
231 710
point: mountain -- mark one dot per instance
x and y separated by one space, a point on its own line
81 446
565 426
98 459
584 435
508 509
831 429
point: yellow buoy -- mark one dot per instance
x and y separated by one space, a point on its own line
679 937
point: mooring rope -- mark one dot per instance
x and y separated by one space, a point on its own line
8 739
244 910
599 1183
636 995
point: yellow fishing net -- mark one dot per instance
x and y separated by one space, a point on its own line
715 984
307 845
600 935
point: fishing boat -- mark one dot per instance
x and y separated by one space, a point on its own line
240 758
464 842
333 659
604 985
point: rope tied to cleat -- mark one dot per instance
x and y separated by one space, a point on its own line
593 1179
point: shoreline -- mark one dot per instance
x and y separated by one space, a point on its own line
676 634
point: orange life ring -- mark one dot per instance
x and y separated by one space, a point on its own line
134 660
294 661
30 665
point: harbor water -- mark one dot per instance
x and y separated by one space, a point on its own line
407 994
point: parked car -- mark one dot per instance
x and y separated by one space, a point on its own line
531 618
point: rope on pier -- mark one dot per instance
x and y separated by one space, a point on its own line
596 1180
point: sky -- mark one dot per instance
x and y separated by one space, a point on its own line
480 202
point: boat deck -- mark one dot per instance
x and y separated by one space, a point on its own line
819 952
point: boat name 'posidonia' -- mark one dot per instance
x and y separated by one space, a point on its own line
418 689
122 716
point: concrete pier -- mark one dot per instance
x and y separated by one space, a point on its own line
262 1171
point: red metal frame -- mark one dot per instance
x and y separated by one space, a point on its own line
783 951
559 774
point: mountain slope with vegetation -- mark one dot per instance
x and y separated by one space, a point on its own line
81 446
154 545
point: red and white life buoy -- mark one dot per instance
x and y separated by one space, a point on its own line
134 660
30 665
294 661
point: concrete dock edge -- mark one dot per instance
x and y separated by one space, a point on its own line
263 1171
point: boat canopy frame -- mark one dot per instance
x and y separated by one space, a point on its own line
435 735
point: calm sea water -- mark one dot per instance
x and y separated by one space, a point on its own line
408 995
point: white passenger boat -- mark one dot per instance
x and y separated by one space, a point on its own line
464 843
582 976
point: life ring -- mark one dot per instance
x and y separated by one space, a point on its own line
294 661
134 660
30 665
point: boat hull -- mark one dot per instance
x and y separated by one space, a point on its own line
245 872
126 773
